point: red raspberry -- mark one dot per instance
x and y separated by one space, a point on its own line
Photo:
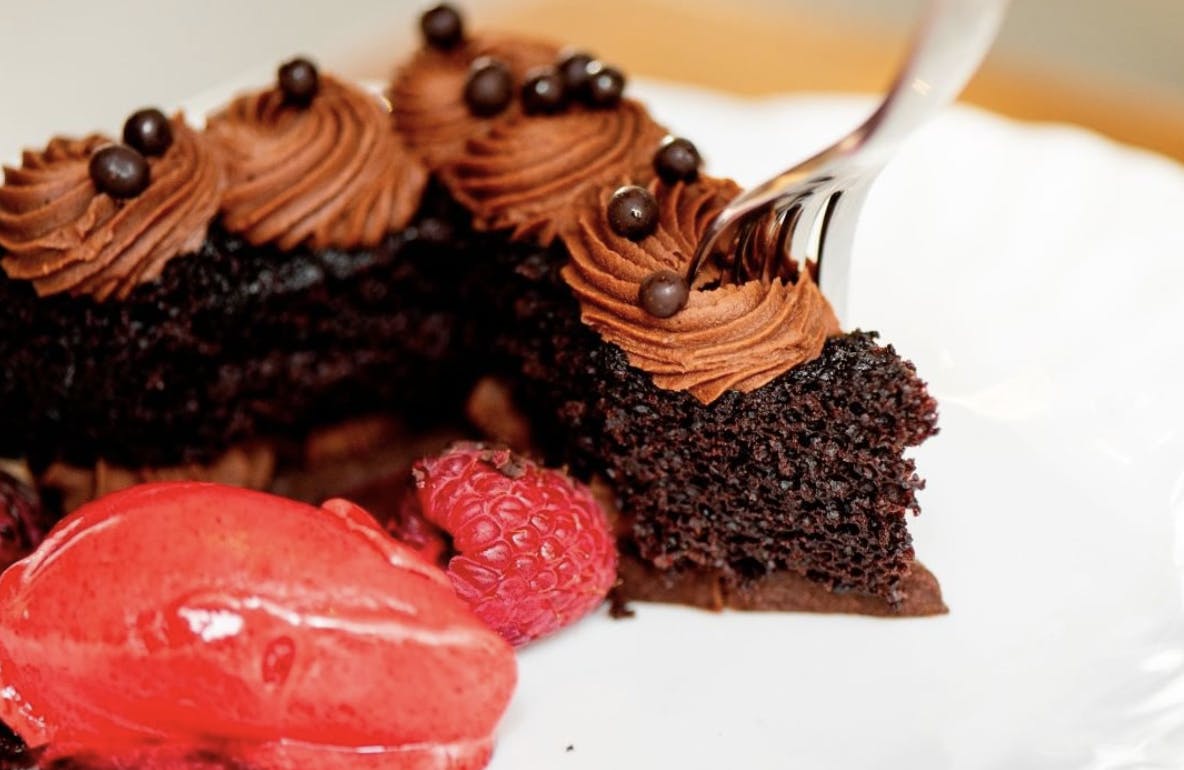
533 549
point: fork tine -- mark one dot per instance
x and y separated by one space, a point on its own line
836 244
804 243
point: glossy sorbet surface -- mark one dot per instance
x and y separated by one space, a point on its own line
177 620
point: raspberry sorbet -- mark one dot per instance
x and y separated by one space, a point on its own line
176 621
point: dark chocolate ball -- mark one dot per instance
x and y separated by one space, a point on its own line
573 67
148 131
543 91
677 160
119 171
490 87
605 86
442 27
663 293
633 212
299 81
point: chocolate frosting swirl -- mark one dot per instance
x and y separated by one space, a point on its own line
734 336
533 175
427 96
331 174
63 235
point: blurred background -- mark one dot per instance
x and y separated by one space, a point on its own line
1115 66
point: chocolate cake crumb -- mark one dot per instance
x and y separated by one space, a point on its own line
618 605
14 754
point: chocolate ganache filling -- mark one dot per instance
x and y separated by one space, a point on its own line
327 174
61 233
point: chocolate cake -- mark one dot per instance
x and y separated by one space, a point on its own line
311 258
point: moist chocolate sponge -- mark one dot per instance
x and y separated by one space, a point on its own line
236 342
806 474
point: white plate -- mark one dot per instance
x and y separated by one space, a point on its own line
1036 276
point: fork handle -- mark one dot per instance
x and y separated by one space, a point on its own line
948 49
946 52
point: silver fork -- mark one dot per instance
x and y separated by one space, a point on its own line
808 212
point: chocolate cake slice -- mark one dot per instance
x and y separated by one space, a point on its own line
755 453
312 258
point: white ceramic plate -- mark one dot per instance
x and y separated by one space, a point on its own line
1036 277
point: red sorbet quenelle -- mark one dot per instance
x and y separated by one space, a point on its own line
176 621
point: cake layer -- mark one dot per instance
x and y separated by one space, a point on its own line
237 342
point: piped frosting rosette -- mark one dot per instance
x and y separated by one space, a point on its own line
734 336
64 235
534 175
327 174
427 96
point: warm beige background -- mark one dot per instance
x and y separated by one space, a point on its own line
76 65
1113 65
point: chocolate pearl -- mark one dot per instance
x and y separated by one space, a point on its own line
442 27
633 212
574 69
663 293
543 91
677 159
119 171
490 87
605 86
148 131
299 81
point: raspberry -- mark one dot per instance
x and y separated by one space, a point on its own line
22 520
533 549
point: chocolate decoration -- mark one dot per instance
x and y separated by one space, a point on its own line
574 69
148 131
543 92
663 293
119 171
677 160
633 212
442 27
490 87
605 86
299 81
